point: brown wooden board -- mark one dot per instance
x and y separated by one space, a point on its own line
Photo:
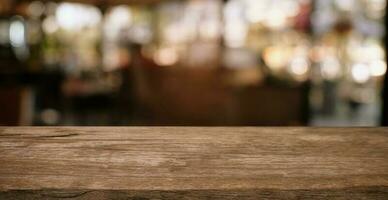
193 163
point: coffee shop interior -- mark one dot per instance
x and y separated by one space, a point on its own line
192 62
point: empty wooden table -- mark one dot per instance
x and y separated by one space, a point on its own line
156 163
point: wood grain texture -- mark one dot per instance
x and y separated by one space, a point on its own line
193 163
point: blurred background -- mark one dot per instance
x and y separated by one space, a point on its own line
193 62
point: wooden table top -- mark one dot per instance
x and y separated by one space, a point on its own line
193 163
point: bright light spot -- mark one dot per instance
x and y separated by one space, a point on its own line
235 34
376 8
378 68
17 34
141 34
346 5
121 16
118 18
209 29
36 8
174 33
273 13
276 19
290 8
360 73
255 11
374 51
50 116
330 68
299 66
276 58
50 25
166 56
236 29
254 16
75 17
233 9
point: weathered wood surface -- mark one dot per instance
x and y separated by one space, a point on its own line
193 163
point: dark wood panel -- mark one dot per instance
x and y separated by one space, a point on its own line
193 163
205 97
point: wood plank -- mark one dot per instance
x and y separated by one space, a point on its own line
193 163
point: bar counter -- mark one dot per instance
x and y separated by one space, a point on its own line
154 163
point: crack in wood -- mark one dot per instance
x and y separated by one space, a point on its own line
59 136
